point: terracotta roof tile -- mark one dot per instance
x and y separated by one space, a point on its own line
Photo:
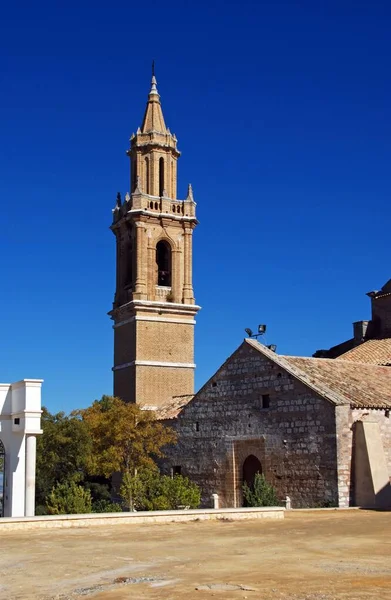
361 385
374 352
339 381
171 409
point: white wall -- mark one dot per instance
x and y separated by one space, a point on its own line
19 401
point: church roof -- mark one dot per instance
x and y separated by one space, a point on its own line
172 408
340 381
373 352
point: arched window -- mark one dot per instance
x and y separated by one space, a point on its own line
146 175
2 477
161 176
163 261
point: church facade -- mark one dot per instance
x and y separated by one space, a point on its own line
154 307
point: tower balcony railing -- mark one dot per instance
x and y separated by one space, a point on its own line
163 205
162 293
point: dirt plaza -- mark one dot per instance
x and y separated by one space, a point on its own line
309 555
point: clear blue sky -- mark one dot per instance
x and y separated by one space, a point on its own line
282 112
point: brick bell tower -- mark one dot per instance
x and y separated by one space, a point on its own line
154 306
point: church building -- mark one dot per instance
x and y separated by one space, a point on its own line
154 307
318 428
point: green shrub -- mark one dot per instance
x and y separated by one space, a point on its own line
180 492
105 506
68 498
148 490
261 493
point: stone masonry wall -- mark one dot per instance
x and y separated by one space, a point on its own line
294 438
345 429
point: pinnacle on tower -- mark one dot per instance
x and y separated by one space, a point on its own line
190 193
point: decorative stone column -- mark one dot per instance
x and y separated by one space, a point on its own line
151 267
176 274
31 452
188 296
140 283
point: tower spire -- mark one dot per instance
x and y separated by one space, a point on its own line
153 116
153 151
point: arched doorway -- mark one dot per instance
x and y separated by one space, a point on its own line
251 467
2 477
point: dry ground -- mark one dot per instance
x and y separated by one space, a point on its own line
315 555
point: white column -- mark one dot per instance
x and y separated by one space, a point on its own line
31 452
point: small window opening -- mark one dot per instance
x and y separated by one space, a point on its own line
163 261
279 375
177 470
265 401
161 176
214 384
17 421
197 426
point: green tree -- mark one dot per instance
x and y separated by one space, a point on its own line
261 493
124 437
62 453
68 498
135 488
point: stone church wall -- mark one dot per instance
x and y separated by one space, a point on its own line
346 419
294 439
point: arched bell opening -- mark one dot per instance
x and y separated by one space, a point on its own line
161 176
163 261
134 174
147 176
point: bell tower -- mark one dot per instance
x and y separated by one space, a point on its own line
154 308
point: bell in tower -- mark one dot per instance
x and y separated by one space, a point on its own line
154 306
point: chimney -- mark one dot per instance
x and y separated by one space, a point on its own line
359 331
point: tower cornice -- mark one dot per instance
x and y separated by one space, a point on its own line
149 306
